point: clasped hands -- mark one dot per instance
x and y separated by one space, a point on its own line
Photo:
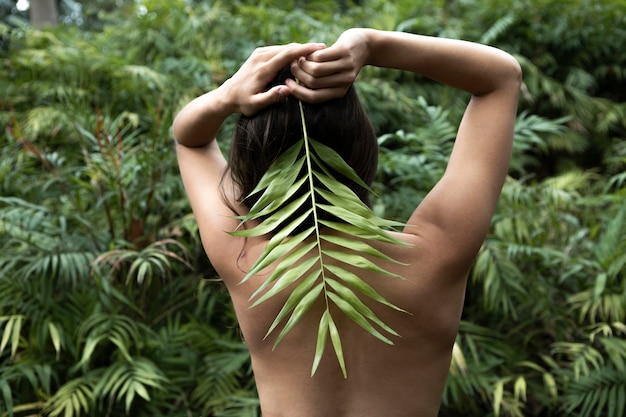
323 73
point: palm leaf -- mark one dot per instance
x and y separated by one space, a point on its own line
300 261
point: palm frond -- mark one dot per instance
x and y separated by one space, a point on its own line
73 399
601 393
498 28
129 380
314 276
11 332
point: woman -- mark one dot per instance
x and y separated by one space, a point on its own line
445 231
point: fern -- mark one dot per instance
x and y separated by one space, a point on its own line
601 393
73 398
136 378
498 28
315 277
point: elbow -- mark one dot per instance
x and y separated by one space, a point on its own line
512 72
503 76
181 132
176 128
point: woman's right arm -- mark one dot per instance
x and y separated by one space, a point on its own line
202 165
471 67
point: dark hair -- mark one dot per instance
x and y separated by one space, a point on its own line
341 124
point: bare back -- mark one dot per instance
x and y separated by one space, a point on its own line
405 379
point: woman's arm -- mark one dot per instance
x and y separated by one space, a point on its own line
471 67
456 214
200 160
198 122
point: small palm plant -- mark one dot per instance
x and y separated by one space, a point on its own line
315 276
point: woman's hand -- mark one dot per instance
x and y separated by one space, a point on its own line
323 73
198 122
245 91
328 73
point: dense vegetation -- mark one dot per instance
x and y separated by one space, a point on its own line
108 305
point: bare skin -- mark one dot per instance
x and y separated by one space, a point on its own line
446 229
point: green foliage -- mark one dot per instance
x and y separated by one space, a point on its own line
108 306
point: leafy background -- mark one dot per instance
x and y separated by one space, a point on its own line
108 306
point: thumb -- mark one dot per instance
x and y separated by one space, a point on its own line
274 94
279 91
267 98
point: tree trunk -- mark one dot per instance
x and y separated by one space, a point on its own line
44 13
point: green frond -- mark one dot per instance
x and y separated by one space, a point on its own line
129 380
220 376
501 280
598 303
74 398
156 260
11 332
140 77
239 404
301 260
601 393
121 331
498 28
583 357
610 249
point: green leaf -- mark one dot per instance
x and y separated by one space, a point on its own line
351 311
272 222
336 162
276 253
278 192
343 200
300 310
367 225
312 175
360 285
358 232
276 199
358 261
359 246
322 335
289 277
294 298
276 171
7 396
350 297
283 234
336 341
11 332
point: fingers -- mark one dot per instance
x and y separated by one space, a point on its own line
260 100
322 76
310 95
333 53
328 77
334 67
278 57
271 96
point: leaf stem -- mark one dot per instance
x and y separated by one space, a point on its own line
307 153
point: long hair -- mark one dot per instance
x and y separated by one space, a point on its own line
341 124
